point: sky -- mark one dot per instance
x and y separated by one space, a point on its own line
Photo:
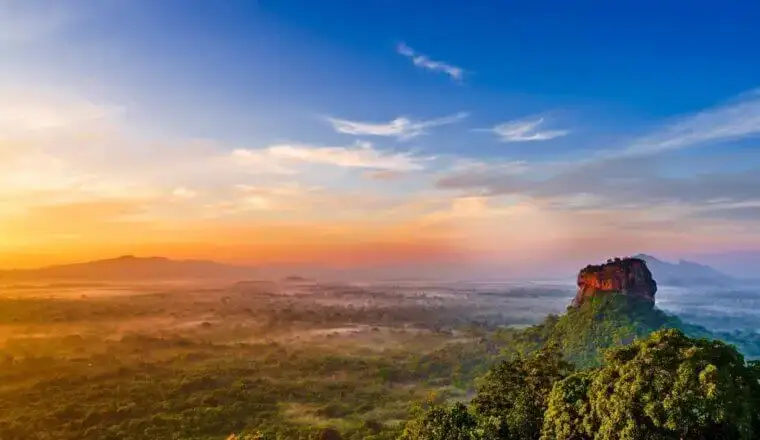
509 136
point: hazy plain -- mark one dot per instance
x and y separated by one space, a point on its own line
309 354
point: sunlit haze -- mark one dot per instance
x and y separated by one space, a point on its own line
490 135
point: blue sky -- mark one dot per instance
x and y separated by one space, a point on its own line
471 119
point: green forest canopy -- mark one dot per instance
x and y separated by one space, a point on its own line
666 386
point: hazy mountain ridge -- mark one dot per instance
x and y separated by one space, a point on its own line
131 268
685 273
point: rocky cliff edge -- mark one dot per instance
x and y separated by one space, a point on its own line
627 276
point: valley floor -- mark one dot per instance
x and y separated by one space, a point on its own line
202 362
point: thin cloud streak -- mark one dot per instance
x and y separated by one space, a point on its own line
454 72
630 178
525 131
402 128
25 111
730 121
359 155
184 193
610 183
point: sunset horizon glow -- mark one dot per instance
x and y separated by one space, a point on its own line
255 134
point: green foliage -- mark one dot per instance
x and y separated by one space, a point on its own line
670 386
265 366
515 392
605 321
249 436
453 422
611 320
220 365
510 404
568 415
202 390
666 386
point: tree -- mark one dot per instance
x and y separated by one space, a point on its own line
330 434
254 436
515 392
453 422
667 386
568 414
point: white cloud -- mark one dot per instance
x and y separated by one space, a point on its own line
632 177
383 175
34 171
401 127
734 120
456 73
261 160
525 131
59 146
283 196
184 193
291 189
360 155
37 112
510 167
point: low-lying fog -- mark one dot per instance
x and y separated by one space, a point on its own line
723 309
500 302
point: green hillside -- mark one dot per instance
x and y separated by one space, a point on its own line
613 368
584 333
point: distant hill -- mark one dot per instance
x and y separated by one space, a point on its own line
685 273
296 279
131 268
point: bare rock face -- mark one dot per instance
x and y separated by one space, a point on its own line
627 276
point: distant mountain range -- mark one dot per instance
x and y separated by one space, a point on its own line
685 273
131 268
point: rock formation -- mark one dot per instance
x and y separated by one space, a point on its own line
627 276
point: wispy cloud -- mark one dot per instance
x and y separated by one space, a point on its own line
737 119
362 155
401 127
285 196
359 155
279 197
27 111
184 193
622 186
260 160
383 175
525 131
633 178
454 72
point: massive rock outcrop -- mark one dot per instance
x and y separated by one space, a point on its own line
627 276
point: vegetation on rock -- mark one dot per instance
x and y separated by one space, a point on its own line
610 320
